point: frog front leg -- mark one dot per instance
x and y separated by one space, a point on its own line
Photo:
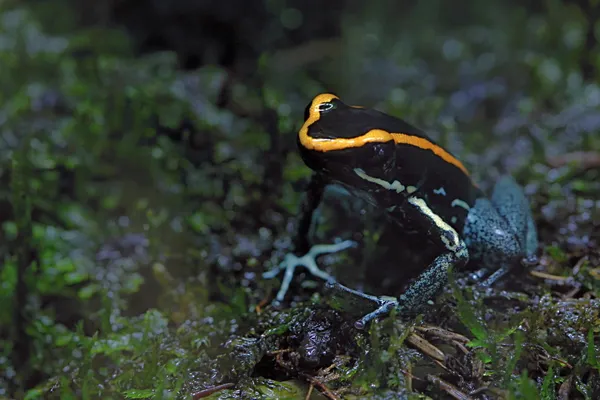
430 281
308 257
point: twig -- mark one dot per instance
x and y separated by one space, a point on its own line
207 392
448 388
565 389
581 159
426 347
309 393
550 277
479 390
261 304
571 293
322 387
461 347
443 333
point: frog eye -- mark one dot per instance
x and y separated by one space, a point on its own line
324 107
320 104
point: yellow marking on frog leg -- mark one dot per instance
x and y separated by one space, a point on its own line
453 242
395 186
411 189
460 203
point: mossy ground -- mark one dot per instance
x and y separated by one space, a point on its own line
139 211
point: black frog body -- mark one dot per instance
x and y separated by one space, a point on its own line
422 186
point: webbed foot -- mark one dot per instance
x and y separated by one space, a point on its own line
308 260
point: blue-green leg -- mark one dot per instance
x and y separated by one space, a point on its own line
511 204
491 240
384 304
531 240
308 260
433 279
509 201
310 202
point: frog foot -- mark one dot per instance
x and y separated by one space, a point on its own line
308 261
500 273
530 260
384 304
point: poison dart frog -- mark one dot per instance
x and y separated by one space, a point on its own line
421 185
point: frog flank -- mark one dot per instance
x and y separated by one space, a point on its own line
422 187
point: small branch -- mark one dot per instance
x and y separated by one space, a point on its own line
207 392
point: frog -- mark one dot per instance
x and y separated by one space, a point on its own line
421 187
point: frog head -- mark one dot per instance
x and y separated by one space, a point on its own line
336 140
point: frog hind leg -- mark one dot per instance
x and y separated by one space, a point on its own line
531 242
433 279
510 202
491 240
308 261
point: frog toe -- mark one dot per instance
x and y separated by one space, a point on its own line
530 260
386 305
308 261
357 301
496 276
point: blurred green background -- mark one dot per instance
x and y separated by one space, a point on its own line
150 175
